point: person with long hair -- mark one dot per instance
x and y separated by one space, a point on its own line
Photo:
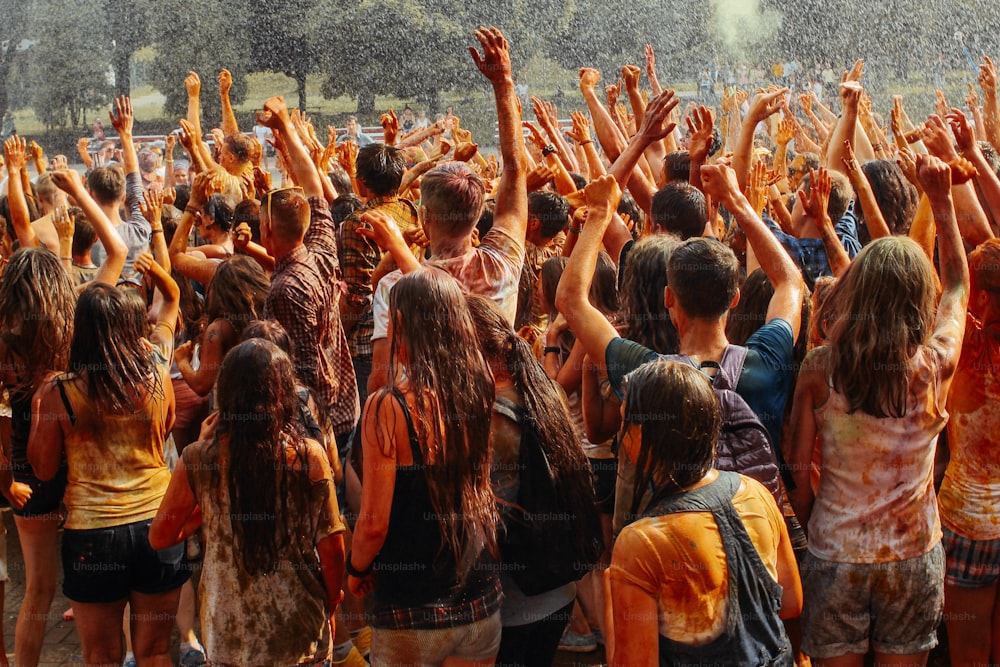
37 305
872 401
234 298
532 624
706 573
107 419
263 495
426 531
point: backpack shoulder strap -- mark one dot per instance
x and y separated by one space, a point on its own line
731 366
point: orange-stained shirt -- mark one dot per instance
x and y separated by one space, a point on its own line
969 499
679 559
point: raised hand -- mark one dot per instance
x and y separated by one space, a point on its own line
381 228
806 101
856 72
937 137
151 206
787 129
535 135
67 180
465 151
495 60
972 98
934 176
612 92
169 142
16 152
719 182
242 236
815 205
603 193
656 121
261 179
630 75
203 188
188 136
850 93
988 75
650 55
169 196
64 223
764 105
347 154
965 134
589 78
60 162
700 128
850 160
36 152
121 116
275 113
907 162
941 106
539 177
759 181
144 263
390 127
581 128
192 84
225 82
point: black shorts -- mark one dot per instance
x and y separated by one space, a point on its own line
46 497
605 473
106 564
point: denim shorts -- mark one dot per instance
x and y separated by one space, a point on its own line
479 640
893 608
106 564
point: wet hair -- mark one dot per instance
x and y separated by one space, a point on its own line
984 267
679 421
628 206
644 316
109 351
192 306
344 205
183 192
258 412
248 211
219 212
106 184
37 299
677 166
579 180
485 222
84 234
704 275
380 168
240 146
543 401
270 330
604 287
341 180
453 196
551 210
552 270
869 352
897 198
237 292
679 209
290 214
432 323
841 194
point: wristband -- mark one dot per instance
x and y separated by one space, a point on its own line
157 231
193 210
65 258
553 349
354 572
588 141
548 150
573 230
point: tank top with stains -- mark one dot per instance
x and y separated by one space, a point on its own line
875 502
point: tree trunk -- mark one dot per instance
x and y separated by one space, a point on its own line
300 83
366 102
123 75
6 54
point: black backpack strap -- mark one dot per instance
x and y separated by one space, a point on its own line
509 409
65 402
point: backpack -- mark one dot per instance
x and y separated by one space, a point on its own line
539 547
744 443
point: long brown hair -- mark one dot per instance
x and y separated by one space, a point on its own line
644 315
881 311
37 301
434 343
237 292
258 412
546 409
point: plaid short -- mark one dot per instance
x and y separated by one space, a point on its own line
970 563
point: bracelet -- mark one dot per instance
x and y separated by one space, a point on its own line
158 231
584 143
548 150
65 258
577 230
193 210
553 349
353 571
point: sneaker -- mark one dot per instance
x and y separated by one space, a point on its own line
192 658
130 662
353 659
363 640
575 643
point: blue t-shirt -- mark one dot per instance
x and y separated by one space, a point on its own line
810 253
764 383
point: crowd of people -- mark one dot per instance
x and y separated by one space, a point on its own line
705 385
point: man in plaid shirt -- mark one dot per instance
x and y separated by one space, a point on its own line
297 230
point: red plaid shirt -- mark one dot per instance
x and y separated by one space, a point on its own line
304 299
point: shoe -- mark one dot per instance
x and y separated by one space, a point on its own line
192 658
363 640
353 659
599 636
129 662
575 643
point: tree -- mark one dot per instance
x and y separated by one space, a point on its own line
15 14
129 30
287 43
69 61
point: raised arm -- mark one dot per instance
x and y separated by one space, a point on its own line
986 178
511 212
276 117
15 151
192 84
165 285
123 119
817 207
655 125
69 182
152 210
650 57
229 125
991 104
866 198
762 107
589 325
720 182
610 137
845 131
